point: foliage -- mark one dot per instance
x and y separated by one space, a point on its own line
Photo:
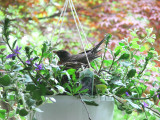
32 25
28 76
111 16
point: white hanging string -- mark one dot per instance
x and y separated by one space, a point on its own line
61 15
74 10
79 33
74 13
79 23
62 20
82 29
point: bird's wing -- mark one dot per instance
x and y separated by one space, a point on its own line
87 51
82 57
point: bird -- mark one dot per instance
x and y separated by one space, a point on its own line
65 56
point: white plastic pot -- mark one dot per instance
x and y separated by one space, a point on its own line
71 108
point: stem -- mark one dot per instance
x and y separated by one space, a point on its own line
145 112
144 98
112 63
85 107
155 111
145 65
137 89
102 61
20 60
121 101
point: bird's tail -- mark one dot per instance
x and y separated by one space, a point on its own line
98 45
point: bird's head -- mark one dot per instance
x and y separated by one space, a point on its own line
63 55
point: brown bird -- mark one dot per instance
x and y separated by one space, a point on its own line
81 57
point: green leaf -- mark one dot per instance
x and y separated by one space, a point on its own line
2 46
78 88
5 80
27 68
153 36
121 44
108 37
27 48
126 63
151 40
139 110
150 55
27 78
23 112
117 52
121 91
154 52
39 102
38 110
36 58
108 62
30 102
84 91
149 30
137 57
152 118
44 48
30 87
151 92
118 48
36 95
133 104
69 88
131 73
135 45
90 102
1 56
7 67
14 43
129 111
121 107
142 49
17 68
124 56
11 63
158 78
101 88
2 114
42 89
11 97
133 33
147 73
71 71
135 39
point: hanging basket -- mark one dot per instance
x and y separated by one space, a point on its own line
72 108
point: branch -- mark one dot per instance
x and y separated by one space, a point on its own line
54 15
123 101
40 18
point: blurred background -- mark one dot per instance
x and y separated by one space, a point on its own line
35 21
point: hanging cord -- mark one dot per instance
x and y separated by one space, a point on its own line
61 15
79 33
79 23
82 30
74 13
